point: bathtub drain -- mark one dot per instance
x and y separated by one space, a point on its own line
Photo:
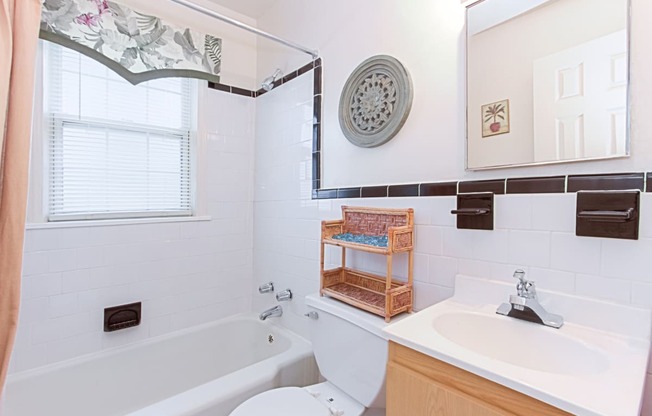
270 338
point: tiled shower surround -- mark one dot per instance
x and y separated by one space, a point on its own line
185 273
188 273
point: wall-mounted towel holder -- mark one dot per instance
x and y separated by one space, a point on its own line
610 214
475 211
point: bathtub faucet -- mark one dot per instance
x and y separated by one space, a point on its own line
275 311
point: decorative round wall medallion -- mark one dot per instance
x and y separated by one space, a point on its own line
375 101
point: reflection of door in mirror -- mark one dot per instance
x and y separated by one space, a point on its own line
580 100
565 76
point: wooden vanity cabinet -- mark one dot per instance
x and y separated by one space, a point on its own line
419 385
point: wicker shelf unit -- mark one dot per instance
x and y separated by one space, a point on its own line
381 295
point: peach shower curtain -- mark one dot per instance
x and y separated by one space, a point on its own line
19 24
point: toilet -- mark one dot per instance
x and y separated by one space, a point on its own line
351 352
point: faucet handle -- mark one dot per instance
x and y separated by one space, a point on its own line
520 275
525 288
266 288
284 295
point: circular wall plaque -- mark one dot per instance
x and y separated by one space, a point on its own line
375 101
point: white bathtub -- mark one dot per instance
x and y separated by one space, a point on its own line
206 370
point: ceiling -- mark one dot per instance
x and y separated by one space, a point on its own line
251 8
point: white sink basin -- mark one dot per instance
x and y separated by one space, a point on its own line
520 343
594 365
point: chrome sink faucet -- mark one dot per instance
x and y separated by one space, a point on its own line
525 305
275 311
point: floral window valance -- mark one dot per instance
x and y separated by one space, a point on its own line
136 46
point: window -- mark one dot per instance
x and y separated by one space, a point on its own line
114 150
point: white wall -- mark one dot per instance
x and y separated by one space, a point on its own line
185 273
534 232
428 37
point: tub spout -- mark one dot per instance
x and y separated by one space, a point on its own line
275 311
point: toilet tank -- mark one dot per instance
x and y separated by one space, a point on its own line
350 348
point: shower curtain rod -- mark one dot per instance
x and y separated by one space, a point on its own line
213 14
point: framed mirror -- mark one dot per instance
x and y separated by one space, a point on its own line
547 81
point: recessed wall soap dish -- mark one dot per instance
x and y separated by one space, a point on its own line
122 316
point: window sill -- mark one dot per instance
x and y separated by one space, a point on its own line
104 223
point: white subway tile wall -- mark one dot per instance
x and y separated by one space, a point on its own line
185 273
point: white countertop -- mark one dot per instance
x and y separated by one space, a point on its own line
618 333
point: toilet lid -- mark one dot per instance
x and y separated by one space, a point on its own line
285 401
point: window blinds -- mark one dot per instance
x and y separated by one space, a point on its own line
115 150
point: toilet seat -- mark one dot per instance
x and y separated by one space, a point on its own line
285 401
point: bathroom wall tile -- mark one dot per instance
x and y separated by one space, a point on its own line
33 310
35 263
429 240
645 224
440 211
43 332
61 305
421 268
497 186
442 270
552 184
491 245
438 189
62 260
529 247
575 254
603 288
616 181
88 257
626 259
39 285
427 295
41 240
513 212
554 212
458 243
554 280
642 294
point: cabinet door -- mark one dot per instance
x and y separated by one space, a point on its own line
410 393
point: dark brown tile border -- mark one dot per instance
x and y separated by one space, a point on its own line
606 182
648 185
219 87
497 186
348 192
255 94
374 191
403 190
243 92
543 185
324 194
438 189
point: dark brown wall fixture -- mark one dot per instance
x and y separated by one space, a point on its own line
475 211
610 214
122 316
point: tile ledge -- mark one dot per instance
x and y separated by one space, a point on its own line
106 223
